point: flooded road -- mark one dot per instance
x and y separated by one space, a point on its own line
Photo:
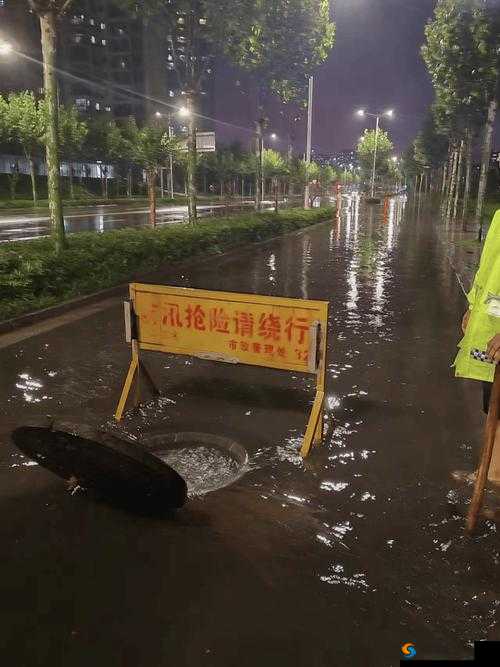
336 560
25 226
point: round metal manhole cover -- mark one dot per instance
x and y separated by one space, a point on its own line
206 462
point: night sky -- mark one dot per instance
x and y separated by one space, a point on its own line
375 64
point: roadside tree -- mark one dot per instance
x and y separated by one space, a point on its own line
26 122
152 146
48 13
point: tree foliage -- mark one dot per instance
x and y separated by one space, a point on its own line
282 41
274 164
287 41
366 152
431 145
461 55
25 120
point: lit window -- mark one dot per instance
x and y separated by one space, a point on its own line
103 42
171 93
92 21
107 109
103 26
92 39
82 103
203 21
97 106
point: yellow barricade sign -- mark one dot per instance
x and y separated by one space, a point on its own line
274 332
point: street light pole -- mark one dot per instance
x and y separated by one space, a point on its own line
389 114
375 156
307 203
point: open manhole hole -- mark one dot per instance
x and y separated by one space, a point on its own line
205 461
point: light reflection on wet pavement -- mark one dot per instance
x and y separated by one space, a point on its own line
338 559
15 226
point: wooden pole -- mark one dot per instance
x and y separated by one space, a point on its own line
489 442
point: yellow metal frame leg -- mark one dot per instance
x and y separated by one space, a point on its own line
126 388
314 430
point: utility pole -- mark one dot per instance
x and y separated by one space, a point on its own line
259 173
171 159
192 158
307 203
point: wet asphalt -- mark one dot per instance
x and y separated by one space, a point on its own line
27 225
333 561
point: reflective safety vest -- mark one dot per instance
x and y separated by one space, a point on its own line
484 304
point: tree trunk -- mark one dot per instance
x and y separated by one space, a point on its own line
33 180
129 182
459 178
222 190
276 205
151 179
449 173
445 171
13 179
485 163
48 34
191 162
71 183
453 180
468 170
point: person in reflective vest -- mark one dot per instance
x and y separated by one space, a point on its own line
480 345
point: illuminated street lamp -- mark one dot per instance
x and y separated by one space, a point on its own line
183 112
273 136
5 48
362 113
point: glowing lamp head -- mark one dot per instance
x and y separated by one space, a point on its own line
389 113
360 112
5 48
184 112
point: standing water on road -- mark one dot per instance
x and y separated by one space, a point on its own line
338 559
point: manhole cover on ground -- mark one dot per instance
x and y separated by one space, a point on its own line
120 470
206 462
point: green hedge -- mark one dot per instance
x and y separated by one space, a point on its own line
33 277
